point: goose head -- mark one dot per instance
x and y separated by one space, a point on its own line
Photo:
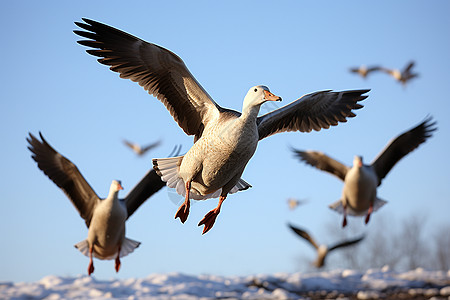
115 187
358 161
256 96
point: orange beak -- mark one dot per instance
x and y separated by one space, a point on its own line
120 187
271 97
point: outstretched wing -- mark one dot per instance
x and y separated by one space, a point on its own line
304 235
65 175
401 146
323 162
408 67
150 184
159 71
346 243
311 112
150 146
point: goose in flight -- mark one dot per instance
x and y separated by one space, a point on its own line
364 71
224 139
294 203
402 76
323 250
359 194
140 150
105 218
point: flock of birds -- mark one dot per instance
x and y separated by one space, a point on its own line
402 76
224 142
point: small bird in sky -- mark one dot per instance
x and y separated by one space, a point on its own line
323 250
294 203
402 76
364 71
139 149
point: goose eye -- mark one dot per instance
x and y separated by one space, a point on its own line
256 90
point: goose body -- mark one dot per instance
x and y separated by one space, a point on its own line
359 194
107 228
233 142
360 182
224 139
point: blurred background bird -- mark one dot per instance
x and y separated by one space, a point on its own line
139 149
322 249
364 71
402 76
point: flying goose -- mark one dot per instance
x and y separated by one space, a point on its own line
224 139
364 71
294 203
359 195
323 250
105 218
402 76
139 149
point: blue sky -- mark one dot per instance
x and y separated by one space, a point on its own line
50 84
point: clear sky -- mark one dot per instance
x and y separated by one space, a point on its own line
50 84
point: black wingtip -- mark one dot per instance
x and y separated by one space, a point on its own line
429 125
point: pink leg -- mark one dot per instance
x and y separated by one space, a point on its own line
117 266
210 218
369 212
183 210
344 222
91 262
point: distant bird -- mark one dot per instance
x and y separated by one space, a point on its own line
323 250
359 195
364 71
105 218
402 76
294 203
224 139
141 150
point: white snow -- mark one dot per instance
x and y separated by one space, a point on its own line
372 284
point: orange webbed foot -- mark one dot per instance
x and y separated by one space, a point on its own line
117 265
183 211
91 261
90 268
208 220
344 223
369 212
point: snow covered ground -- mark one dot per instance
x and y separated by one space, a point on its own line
343 284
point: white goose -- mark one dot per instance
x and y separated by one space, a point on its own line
359 194
224 139
105 218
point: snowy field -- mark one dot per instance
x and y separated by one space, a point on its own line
337 284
